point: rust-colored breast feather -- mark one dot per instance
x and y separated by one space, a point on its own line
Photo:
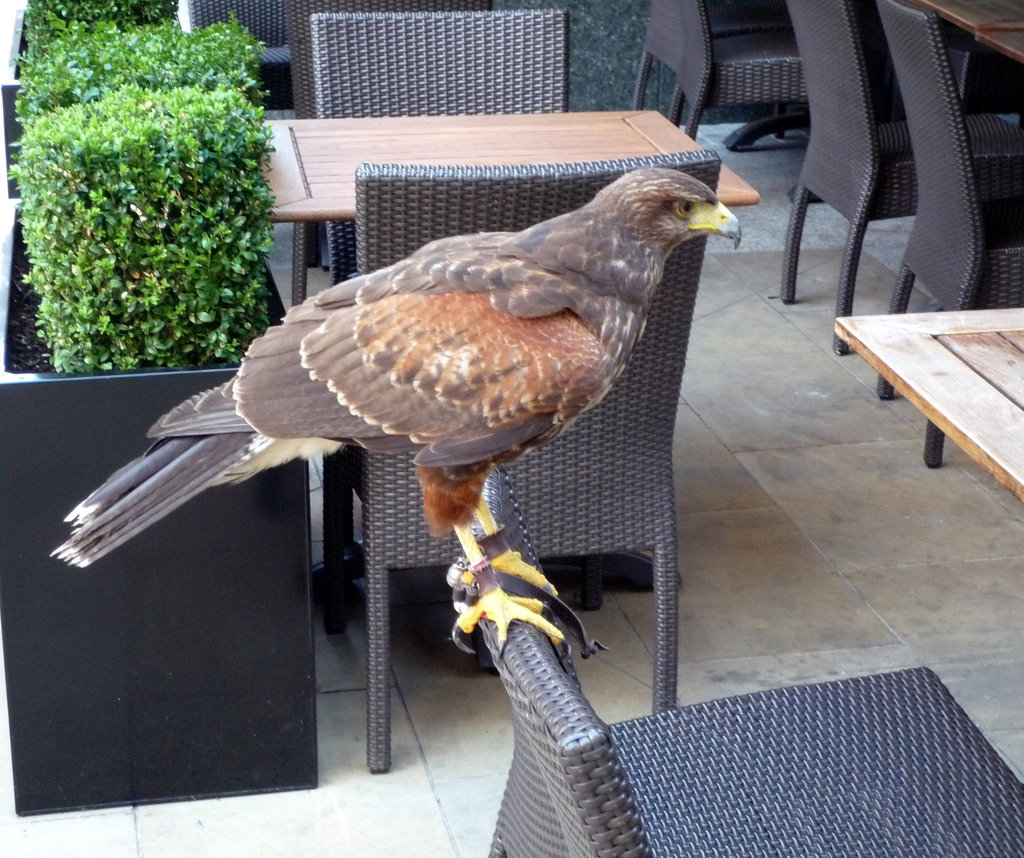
453 373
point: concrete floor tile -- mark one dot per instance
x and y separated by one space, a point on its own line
786 400
707 475
988 687
99 834
351 812
709 680
754 586
1010 745
950 609
470 808
719 287
747 326
869 505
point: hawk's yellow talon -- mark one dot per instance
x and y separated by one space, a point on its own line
512 563
501 608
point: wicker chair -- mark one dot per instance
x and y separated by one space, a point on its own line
306 245
882 765
604 486
861 166
975 259
298 13
435 64
720 58
265 19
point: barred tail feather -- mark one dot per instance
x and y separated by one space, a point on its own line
151 487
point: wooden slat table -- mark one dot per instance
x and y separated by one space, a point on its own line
1009 42
312 171
964 371
977 16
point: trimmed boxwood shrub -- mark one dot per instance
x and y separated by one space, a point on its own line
43 16
146 221
80 63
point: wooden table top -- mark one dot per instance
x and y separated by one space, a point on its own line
1009 42
964 371
977 16
312 171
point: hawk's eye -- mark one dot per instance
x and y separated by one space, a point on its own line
683 209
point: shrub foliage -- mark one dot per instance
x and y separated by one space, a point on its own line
80 63
145 216
42 17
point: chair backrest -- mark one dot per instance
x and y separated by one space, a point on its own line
440 63
564 758
399 208
566 777
679 36
843 145
948 261
265 19
298 13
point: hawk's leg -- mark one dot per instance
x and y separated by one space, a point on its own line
491 601
510 562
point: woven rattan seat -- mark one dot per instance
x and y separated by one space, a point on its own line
882 765
747 57
265 19
859 165
604 486
974 257
879 766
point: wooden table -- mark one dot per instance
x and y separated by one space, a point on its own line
1009 42
963 370
312 171
978 16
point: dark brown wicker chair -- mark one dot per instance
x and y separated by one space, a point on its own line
861 166
265 19
607 484
435 64
305 250
882 765
968 253
722 57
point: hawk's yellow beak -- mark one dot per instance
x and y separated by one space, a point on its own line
717 220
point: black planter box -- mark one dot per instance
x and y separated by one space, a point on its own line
179 666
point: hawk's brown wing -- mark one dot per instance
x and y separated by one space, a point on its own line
455 374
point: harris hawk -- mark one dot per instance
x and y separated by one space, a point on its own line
471 351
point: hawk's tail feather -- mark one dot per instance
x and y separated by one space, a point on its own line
149 488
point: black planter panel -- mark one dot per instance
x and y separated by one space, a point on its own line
180 665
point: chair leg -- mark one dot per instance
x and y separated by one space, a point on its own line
337 534
304 238
675 108
666 625
378 664
934 440
791 251
591 582
697 105
642 78
848 275
898 304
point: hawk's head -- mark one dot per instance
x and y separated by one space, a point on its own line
667 207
